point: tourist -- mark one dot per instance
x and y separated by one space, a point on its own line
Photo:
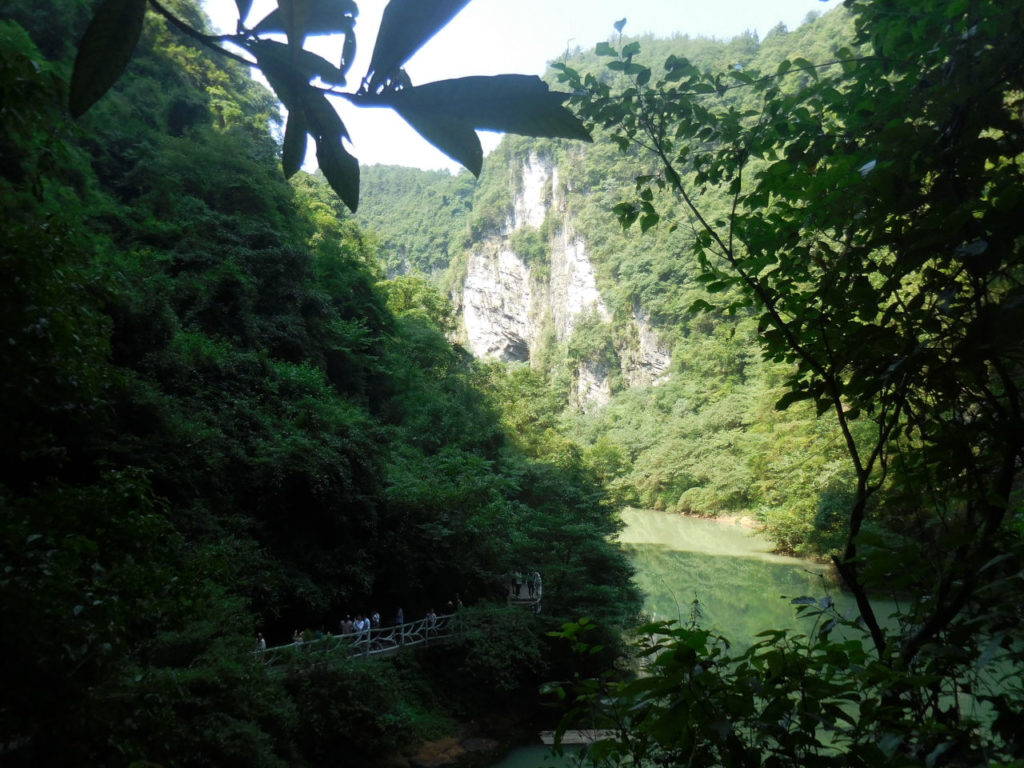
431 622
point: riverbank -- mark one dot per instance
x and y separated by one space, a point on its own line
734 520
752 524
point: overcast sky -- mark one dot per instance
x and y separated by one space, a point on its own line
492 37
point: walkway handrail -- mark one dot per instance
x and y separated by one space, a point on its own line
368 642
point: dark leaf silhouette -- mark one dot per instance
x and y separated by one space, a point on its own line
447 112
294 149
300 18
295 64
340 169
244 6
404 28
105 51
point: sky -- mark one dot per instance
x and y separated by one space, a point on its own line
491 37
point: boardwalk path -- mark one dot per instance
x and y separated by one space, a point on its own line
378 641
385 641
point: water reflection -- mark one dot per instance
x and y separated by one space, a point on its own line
731 569
742 587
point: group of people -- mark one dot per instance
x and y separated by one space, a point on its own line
361 625
519 579
359 629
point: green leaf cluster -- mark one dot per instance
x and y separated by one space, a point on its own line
867 229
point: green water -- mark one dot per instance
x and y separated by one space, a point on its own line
742 588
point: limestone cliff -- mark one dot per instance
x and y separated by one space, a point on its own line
511 303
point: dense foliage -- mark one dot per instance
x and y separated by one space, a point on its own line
707 439
826 229
218 419
421 216
872 229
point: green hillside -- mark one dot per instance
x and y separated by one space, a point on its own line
708 441
230 408
825 227
217 420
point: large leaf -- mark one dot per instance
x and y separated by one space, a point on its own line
339 167
105 51
309 111
404 28
301 18
322 118
293 65
446 112
451 135
274 60
244 6
341 171
294 150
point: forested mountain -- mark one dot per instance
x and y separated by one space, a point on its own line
824 228
218 418
785 280
688 421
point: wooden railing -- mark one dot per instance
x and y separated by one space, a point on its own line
376 641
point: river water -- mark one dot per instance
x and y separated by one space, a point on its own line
741 587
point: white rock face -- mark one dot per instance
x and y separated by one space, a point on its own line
497 299
506 309
592 387
530 205
573 286
654 357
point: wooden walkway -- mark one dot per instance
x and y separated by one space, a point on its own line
377 641
525 591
